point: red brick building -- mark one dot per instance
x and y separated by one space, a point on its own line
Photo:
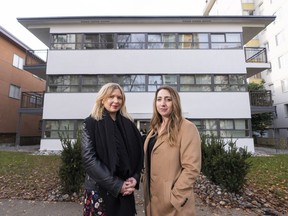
15 83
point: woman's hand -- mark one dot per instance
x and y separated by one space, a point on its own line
128 186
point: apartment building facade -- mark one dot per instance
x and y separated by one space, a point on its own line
14 82
202 57
274 39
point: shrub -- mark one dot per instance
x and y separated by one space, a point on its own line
224 164
71 170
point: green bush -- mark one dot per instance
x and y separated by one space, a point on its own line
71 170
224 164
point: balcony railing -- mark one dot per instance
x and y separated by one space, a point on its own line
261 98
36 57
255 54
32 99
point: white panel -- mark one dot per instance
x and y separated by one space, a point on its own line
164 27
146 61
194 105
244 143
55 145
50 144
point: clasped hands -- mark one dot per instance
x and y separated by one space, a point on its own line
128 186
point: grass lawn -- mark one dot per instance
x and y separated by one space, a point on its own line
27 176
270 174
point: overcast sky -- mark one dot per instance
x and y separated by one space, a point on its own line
13 9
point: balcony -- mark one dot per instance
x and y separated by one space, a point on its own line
256 60
31 102
261 102
35 62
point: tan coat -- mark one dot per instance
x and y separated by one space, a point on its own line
174 170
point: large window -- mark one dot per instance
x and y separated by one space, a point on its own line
225 41
132 83
131 41
149 82
160 40
63 83
224 128
15 92
52 128
190 83
230 83
155 81
66 41
193 41
99 41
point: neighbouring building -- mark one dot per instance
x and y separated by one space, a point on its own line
203 57
19 89
274 40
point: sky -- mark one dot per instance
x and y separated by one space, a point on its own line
14 9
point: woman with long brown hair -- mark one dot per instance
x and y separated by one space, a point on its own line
172 158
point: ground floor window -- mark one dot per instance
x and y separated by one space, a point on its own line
224 128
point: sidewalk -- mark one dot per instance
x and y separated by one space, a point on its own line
44 208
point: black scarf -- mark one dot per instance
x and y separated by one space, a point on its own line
106 147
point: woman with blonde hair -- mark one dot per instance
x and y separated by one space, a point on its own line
112 154
172 155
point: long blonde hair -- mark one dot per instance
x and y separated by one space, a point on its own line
105 91
173 125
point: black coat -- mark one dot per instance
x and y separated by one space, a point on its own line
98 154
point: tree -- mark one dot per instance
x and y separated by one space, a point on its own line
261 121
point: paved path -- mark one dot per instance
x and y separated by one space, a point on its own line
44 208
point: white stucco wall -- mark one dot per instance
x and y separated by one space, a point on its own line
194 105
146 61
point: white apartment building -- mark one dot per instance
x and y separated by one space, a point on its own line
201 56
274 38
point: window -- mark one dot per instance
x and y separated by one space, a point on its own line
224 128
63 83
18 62
15 92
162 41
226 41
148 82
229 82
131 41
190 83
233 128
99 41
193 41
132 83
176 40
66 41
52 128
90 83
155 81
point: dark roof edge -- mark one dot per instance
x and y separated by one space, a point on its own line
144 17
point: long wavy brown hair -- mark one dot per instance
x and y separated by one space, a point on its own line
173 125
105 91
